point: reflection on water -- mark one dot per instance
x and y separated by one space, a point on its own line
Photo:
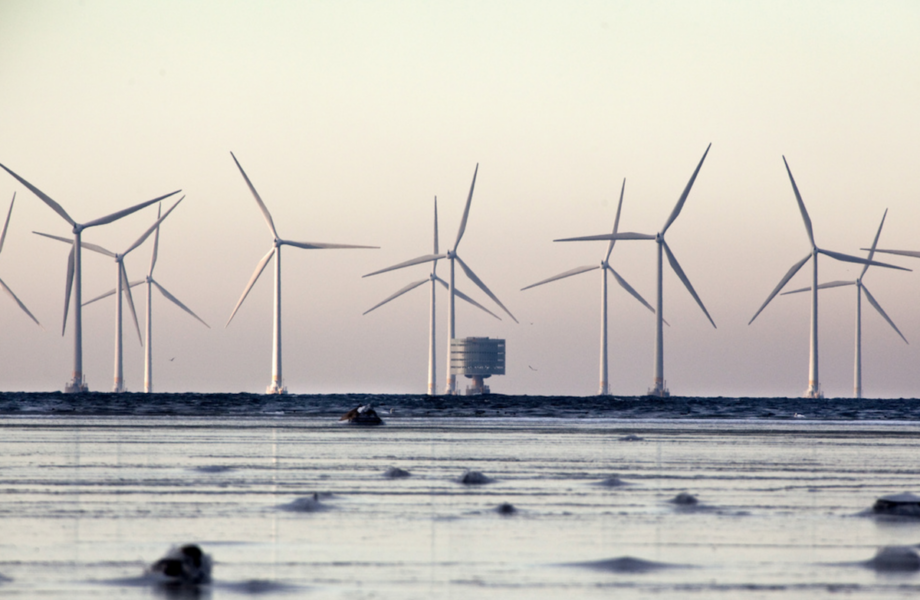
304 506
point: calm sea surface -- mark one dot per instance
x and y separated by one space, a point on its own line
92 491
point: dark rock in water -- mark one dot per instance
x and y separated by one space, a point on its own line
305 504
626 564
895 558
362 415
505 509
4 579
183 566
474 478
684 499
213 469
396 473
612 481
631 438
898 505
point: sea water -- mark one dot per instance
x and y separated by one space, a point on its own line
291 503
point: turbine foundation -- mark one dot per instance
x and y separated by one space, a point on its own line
477 359
77 385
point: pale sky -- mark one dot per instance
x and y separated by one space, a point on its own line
350 117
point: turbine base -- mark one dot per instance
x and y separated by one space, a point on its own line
659 391
77 385
274 388
814 394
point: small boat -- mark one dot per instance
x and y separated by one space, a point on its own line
362 415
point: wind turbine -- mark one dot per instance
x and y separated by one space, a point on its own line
860 290
433 278
452 255
277 384
3 285
122 287
814 388
604 267
74 273
659 388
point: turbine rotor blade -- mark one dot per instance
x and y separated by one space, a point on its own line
874 244
482 286
609 236
156 246
876 306
616 221
576 271
463 296
321 246
435 223
124 213
86 245
42 196
255 194
67 287
252 280
402 291
409 263
630 289
466 210
175 301
795 269
683 197
683 278
19 302
152 228
798 198
855 259
821 286
127 290
911 253
7 224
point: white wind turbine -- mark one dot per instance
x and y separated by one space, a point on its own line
659 388
451 255
814 387
74 274
122 287
3 285
860 290
433 278
604 266
277 384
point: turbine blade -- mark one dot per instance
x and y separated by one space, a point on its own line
683 278
466 211
67 287
683 197
616 221
252 280
156 246
402 291
42 196
821 286
630 289
175 301
575 271
83 244
608 236
482 286
19 302
798 198
435 223
152 228
100 297
321 246
855 259
255 194
876 306
463 296
124 213
795 269
874 244
911 253
7 224
409 263
127 291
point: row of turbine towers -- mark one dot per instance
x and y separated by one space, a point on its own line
123 286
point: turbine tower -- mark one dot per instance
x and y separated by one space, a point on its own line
604 267
814 387
277 384
433 278
74 274
122 287
860 290
658 385
3 285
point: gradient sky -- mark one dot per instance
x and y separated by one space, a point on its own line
349 117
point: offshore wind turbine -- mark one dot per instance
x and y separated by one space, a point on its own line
451 255
122 287
75 273
814 387
658 383
433 278
277 384
604 266
5 287
860 290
